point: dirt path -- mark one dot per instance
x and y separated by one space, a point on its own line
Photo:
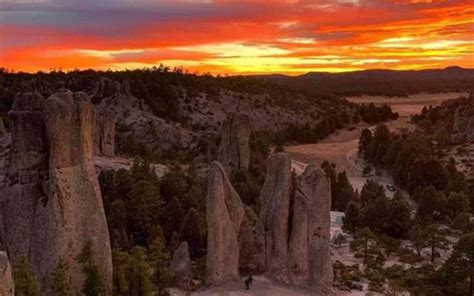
341 148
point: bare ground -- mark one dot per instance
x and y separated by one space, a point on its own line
341 147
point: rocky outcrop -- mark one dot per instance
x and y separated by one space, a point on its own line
234 150
52 205
224 214
7 286
181 267
309 259
275 200
296 215
104 140
252 244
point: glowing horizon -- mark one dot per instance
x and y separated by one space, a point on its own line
236 37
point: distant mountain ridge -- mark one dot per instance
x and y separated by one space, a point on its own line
380 82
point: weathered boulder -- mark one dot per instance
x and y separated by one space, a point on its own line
252 244
309 259
224 215
275 201
104 140
7 286
234 149
181 267
52 204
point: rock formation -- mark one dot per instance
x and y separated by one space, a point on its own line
275 210
181 267
457 121
3 131
7 286
104 140
252 244
296 215
309 259
224 214
234 150
52 204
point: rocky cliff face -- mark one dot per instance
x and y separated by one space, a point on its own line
7 286
275 199
234 150
252 244
309 258
52 205
296 215
224 213
104 136
136 121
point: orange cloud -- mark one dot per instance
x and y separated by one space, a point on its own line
228 36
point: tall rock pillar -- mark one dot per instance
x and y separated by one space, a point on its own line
53 205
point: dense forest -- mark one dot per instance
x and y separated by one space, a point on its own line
444 199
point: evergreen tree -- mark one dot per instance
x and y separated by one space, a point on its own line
343 192
121 273
418 237
457 204
352 219
458 271
25 283
159 258
431 204
398 220
173 217
139 273
361 241
59 280
435 240
93 284
192 232
371 191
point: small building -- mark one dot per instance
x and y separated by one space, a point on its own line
337 218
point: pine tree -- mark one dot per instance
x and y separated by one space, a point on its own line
192 232
458 271
173 217
139 273
121 273
343 192
159 258
398 220
59 280
25 283
352 218
93 284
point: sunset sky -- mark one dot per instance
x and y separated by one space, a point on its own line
229 37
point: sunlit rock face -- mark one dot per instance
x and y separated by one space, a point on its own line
296 216
309 258
224 214
234 150
52 205
104 136
275 200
